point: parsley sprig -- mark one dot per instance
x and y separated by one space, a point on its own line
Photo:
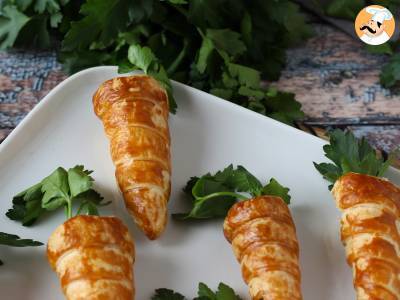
62 188
350 154
13 240
211 196
224 292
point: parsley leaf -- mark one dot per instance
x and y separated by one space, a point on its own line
166 294
61 188
77 60
51 6
56 189
207 47
380 49
226 40
242 85
205 292
27 205
210 199
349 154
390 74
102 22
15 241
346 9
178 1
283 107
211 196
42 18
243 181
89 202
11 22
246 76
224 292
140 57
273 188
143 58
79 180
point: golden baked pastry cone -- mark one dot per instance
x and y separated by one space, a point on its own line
93 258
370 227
134 111
263 238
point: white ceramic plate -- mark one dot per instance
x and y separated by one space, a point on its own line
207 134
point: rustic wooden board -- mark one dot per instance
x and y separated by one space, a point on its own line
337 81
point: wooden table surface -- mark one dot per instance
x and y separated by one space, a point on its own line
337 81
332 75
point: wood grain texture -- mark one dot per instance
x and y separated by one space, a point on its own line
337 81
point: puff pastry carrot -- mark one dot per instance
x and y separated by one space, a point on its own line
370 221
370 227
93 258
134 112
261 229
264 241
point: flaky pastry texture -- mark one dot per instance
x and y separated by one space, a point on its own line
370 225
263 237
93 258
134 111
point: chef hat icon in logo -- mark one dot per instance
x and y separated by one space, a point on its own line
374 25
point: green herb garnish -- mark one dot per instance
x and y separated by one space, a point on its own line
224 292
13 240
166 294
144 59
61 188
390 74
349 154
211 196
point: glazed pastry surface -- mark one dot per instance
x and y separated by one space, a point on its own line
370 227
134 111
263 237
93 258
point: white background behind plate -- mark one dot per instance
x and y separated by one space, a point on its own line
207 134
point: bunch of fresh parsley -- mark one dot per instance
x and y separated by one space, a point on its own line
349 154
211 196
224 292
348 9
61 189
223 47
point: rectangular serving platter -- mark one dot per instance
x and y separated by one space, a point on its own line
207 133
